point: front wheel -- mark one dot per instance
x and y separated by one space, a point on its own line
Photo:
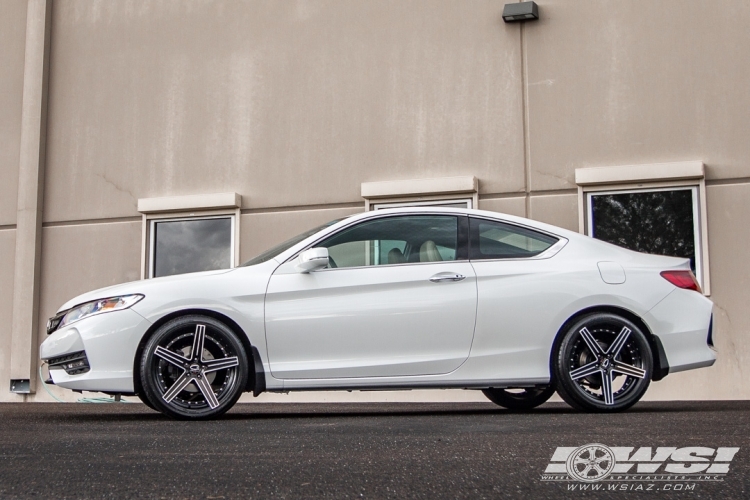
520 399
604 363
193 367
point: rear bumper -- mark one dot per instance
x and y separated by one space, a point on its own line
682 323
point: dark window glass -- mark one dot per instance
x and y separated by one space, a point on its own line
189 246
657 222
495 240
395 240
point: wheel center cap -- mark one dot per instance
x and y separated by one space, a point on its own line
605 363
195 369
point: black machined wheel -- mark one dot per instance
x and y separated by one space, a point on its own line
520 399
193 367
604 363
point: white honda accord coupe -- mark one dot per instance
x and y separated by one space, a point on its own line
407 298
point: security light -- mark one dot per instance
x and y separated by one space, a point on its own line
524 11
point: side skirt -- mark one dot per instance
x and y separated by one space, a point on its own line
375 385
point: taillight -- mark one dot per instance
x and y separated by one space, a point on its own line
682 279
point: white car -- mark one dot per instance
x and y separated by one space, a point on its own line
407 298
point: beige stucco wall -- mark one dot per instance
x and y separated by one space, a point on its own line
294 104
12 44
642 81
287 103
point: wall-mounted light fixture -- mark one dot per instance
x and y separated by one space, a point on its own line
524 11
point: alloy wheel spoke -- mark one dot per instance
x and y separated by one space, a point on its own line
609 396
591 342
171 357
631 371
619 342
585 370
213 365
207 391
179 384
199 339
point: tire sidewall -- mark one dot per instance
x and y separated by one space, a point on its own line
153 393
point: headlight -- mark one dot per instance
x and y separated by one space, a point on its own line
98 307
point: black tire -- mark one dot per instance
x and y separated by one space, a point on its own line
609 375
520 399
145 400
190 382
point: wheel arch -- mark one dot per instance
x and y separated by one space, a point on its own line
660 363
256 382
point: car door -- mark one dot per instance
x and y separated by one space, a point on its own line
398 299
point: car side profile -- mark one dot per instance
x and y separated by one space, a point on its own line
401 298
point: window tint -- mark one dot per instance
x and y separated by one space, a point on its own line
395 240
658 222
187 246
496 240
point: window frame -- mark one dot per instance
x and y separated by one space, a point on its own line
700 220
149 243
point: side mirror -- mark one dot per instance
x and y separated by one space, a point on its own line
312 259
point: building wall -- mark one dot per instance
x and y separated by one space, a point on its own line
12 43
295 104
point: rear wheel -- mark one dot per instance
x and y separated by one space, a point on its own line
193 367
520 399
604 363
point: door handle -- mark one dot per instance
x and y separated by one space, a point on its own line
439 277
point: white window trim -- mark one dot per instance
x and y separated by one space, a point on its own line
651 177
189 207
422 203
422 192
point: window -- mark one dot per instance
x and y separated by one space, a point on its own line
497 240
398 240
190 245
185 234
658 208
657 221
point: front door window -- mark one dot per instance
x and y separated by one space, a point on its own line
397 240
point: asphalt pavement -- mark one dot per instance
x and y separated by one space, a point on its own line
401 450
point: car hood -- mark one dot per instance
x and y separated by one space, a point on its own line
140 286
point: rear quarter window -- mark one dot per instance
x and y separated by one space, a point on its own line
497 240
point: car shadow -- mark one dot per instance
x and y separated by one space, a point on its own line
276 411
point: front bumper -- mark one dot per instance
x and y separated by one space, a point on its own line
109 342
682 321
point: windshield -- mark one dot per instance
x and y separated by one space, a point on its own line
273 252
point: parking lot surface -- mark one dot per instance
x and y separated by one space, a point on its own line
400 450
